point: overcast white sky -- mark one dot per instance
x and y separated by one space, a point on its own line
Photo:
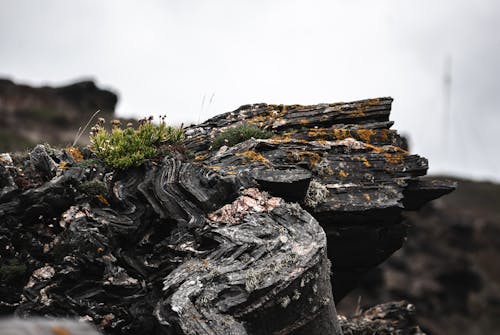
162 57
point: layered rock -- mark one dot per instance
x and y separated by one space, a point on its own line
233 241
341 161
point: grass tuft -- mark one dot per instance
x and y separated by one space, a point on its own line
235 135
129 147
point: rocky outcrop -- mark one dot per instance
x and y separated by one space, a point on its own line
31 115
342 162
233 241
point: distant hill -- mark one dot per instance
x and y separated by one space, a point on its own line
30 115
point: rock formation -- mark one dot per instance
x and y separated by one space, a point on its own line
232 241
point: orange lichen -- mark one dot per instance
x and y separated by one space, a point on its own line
75 153
252 156
363 160
102 199
367 197
374 148
384 134
200 157
394 158
63 165
313 158
357 113
317 132
343 174
303 121
365 135
341 134
269 117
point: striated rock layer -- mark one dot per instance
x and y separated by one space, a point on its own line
341 162
233 241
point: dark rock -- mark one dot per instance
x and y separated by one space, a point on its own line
362 180
195 247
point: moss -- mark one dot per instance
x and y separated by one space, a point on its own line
235 135
12 270
93 188
129 147
87 163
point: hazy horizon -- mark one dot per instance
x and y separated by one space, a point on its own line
166 57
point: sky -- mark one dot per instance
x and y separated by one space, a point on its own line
190 60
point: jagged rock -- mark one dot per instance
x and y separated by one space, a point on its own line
346 150
227 243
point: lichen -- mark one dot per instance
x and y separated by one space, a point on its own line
251 156
317 193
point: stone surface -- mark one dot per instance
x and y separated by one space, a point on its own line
362 179
233 241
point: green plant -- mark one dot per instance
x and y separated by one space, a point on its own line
93 188
129 147
235 135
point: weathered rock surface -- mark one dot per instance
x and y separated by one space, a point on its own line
232 242
342 162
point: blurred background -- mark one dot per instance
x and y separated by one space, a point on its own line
60 61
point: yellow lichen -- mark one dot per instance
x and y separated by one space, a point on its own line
212 167
313 158
384 134
341 134
252 156
200 157
374 148
343 174
63 165
365 135
75 153
394 158
102 199
317 132
363 160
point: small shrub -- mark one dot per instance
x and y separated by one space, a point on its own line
129 147
235 135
